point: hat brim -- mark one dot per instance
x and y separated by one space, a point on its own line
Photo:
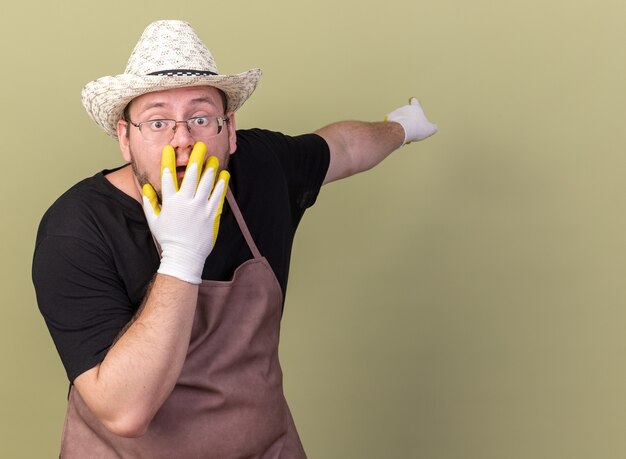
105 98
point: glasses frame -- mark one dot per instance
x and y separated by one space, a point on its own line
221 121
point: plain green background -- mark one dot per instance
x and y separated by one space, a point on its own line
463 300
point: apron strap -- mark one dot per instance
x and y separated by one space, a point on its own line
242 223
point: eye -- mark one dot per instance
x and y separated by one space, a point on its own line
158 125
201 121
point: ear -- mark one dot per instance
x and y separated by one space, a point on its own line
123 139
232 133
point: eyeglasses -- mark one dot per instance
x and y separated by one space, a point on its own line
164 129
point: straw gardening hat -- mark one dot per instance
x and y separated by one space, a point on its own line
168 55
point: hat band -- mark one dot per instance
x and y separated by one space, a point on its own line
182 72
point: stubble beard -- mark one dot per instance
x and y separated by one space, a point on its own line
141 176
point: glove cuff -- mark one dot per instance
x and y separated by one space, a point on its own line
189 270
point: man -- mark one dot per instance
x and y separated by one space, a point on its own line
164 302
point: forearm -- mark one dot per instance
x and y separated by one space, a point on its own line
140 370
357 146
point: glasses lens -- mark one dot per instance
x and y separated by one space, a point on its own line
157 130
199 127
205 126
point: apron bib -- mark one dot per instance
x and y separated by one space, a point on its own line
228 401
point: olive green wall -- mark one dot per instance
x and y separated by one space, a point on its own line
463 300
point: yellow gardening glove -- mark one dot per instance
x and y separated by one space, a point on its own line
186 222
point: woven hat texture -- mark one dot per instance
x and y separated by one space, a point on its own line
168 55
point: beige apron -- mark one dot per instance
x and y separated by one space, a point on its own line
228 401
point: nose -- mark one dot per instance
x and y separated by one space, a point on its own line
183 142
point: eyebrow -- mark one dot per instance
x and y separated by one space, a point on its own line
196 101
201 100
153 105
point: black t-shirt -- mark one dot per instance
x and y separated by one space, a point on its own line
94 254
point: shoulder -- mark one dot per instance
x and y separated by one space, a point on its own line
261 147
277 140
79 211
72 206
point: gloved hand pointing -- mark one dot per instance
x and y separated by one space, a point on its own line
186 223
412 118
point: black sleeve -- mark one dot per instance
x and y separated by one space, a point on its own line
304 160
81 298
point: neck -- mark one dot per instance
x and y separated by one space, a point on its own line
125 181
